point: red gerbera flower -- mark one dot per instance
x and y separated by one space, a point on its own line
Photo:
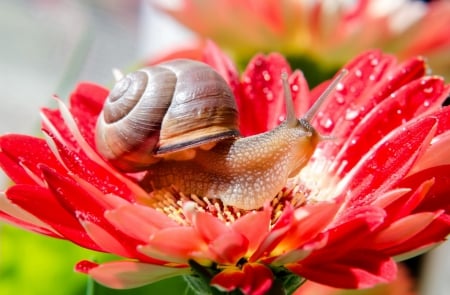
375 193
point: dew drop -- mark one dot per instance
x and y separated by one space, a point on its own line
295 88
372 77
266 75
268 93
351 114
374 62
399 112
340 99
326 123
281 118
428 90
426 103
358 73
340 87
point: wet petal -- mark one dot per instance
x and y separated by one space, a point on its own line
128 274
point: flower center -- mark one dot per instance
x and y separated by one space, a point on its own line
170 201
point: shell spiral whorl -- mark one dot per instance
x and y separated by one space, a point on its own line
161 109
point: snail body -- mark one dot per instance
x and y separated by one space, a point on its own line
178 122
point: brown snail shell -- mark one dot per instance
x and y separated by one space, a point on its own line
164 109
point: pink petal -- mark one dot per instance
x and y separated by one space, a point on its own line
105 240
254 226
380 169
229 247
403 229
434 233
308 223
359 270
176 244
139 221
208 227
275 235
437 154
128 274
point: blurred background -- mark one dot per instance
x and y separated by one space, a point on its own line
47 46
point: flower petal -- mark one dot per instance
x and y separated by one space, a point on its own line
361 269
138 221
128 274
374 175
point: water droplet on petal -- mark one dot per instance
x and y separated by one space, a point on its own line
340 87
374 61
372 77
326 123
358 73
281 118
295 88
399 112
351 114
428 90
266 75
340 99
268 93
426 103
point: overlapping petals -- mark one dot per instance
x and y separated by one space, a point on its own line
377 191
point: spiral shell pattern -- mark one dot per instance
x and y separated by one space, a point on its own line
163 109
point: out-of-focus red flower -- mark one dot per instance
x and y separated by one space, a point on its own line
376 193
327 31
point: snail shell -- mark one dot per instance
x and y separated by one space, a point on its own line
164 109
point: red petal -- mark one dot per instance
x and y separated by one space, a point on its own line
435 232
86 103
408 102
42 204
357 270
228 280
257 279
79 164
262 101
388 162
19 151
437 197
353 98
85 207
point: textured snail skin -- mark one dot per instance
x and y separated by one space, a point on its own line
243 173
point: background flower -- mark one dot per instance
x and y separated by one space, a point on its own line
320 35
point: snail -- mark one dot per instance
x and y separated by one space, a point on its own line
178 121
